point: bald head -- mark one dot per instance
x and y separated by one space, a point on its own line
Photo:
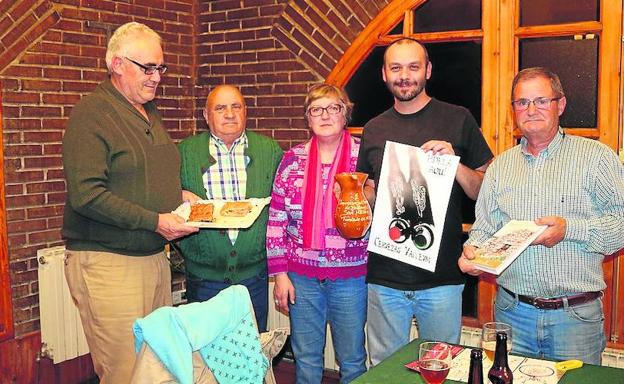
226 113
407 42
221 91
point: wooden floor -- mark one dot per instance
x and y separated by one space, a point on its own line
285 373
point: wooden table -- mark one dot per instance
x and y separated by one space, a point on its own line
393 371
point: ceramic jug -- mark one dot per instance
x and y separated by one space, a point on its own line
353 213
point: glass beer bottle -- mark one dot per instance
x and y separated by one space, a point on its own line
500 372
475 375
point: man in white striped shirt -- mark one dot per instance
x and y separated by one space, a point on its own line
552 294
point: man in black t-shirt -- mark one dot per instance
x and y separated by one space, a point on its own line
399 291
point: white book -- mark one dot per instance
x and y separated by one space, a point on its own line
498 252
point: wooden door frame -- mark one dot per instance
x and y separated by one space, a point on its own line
6 305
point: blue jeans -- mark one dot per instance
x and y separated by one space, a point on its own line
390 312
558 334
340 302
198 289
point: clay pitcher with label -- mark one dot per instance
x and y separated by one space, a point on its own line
353 214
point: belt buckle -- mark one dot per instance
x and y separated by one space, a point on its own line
543 303
537 303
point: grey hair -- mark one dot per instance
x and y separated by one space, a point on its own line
535 72
120 41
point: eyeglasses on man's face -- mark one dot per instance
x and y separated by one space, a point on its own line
543 103
332 109
149 69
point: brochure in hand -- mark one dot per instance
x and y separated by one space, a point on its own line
498 252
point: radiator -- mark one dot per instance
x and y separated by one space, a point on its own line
62 335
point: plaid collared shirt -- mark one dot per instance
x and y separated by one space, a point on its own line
227 178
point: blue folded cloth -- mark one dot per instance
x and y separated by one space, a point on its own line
222 329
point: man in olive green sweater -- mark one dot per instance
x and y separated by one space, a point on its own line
122 172
228 163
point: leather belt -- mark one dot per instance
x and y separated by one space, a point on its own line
556 303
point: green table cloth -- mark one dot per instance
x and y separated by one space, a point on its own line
392 370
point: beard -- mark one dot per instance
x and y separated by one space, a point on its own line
405 94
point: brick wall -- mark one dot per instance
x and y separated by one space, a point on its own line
52 53
274 50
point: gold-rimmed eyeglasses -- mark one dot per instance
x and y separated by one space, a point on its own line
539 103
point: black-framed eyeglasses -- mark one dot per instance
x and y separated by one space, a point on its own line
149 69
332 109
539 102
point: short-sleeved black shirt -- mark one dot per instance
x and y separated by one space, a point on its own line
436 121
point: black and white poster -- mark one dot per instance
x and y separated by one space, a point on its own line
412 198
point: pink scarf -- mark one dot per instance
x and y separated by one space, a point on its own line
319 207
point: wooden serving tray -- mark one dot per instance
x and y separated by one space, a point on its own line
219 221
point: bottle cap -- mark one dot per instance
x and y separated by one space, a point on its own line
476 352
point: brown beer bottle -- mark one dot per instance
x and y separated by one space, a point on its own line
500 372
475 375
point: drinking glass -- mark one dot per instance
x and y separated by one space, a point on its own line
434 361
488 337
536 373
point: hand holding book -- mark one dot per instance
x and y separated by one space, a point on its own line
554 233
498 252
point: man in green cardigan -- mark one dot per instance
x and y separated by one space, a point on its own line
228 163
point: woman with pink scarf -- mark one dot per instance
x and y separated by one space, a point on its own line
319 275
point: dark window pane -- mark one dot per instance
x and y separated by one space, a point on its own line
447 15
576 63
543 12
367 90
397 30
456 78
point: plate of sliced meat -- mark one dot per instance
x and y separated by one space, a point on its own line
222 213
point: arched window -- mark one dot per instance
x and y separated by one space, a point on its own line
579 40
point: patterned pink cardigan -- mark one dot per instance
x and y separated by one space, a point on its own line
341 258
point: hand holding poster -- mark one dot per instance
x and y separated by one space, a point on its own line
413 192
